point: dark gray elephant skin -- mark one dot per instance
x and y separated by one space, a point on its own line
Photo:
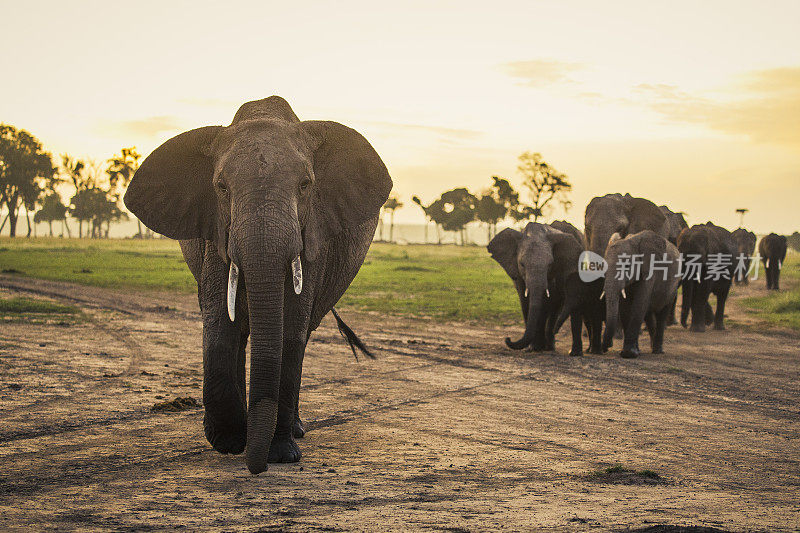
638 296
675 223
543 264
745 242
772 250
271 195
705 241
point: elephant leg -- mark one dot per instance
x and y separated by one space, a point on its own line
595 328
722 296
576 325
657 335
699 307
671 316
550 326
650 323
635 312
224 398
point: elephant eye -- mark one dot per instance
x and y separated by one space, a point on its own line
221 186
305 184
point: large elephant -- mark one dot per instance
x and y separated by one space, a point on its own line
772 250
543 264
644 293
708 261
287 209
745 242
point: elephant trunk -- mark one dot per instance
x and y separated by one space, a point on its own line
535 297
612 313
265 247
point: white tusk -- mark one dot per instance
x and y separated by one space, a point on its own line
297 275
526 292
547 292
623 294
780 265
767 265
698 277
233 281
601 295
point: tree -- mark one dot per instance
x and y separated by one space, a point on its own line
52 209
545 184
459 208
435 213
392 204
495 204
24 166
121 169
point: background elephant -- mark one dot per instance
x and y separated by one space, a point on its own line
703 242
285 201
772 250
644 295
675 223
745 242
540 261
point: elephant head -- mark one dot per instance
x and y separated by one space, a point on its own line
535 260
645 245
267 190
675 223
626 215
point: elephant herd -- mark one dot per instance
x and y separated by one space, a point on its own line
646 252
275 216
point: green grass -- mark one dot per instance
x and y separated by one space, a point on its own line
31 311
780 308
445 283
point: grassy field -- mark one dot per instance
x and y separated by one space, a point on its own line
780 308
426 281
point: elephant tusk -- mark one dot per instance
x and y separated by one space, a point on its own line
780 265
625 296
526 292
233 281
767 265
297 275
601 295
698 277
547 292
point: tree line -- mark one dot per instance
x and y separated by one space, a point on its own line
30 182
457 208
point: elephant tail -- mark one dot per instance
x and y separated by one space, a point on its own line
350 336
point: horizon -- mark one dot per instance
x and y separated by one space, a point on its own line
692 106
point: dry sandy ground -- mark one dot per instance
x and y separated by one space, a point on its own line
446 430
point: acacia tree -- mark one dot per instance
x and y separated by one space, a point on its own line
459 208
52 209
121 168
433 213
392 204
495 204
546 184
24 165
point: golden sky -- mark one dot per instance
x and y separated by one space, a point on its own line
692 104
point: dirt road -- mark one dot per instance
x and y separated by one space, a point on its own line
447 430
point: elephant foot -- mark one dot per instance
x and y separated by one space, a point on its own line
698 328
283 450
576 352
298 429
225 439
658 350
597 350
719 327
629 353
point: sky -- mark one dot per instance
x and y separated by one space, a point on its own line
691 104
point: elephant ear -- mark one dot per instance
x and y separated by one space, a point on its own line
566 252
503 248
351 183
172 192
652 246
644 214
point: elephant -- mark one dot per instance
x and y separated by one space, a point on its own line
772 250
625 215
745 242
647 293
274 216
675 223
708 262
543 264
